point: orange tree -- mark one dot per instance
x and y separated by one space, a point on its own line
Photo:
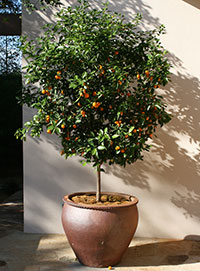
93 79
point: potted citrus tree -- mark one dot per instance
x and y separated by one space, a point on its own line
94 81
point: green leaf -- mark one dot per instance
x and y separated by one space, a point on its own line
101 148
115 136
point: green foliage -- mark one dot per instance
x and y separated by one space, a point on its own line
98 77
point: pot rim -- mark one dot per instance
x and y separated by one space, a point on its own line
67 200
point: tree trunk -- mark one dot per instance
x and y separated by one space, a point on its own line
98 192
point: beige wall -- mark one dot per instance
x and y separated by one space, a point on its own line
167 182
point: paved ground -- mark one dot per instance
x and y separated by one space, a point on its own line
34 252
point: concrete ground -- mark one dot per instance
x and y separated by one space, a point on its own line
35 252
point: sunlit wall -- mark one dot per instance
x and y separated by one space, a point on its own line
167 181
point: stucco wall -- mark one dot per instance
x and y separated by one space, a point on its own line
167 181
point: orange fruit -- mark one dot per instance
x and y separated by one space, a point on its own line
59 72
76 138
100 67
147 73
94 93
63 126
119 82
62 92
134 131
151 78
96 104
109 267
116 53
83 113
117 148
49 131
122 151
67 138
62 152
126 136
110 106
121 113
150 135
101 108
74 126
78 104
87 95
57 77
128 94
50 88
43 91
138 76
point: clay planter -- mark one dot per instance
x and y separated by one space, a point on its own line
99 234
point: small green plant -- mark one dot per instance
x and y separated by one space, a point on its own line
98 78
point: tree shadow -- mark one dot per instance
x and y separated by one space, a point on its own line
164 252
175 153
129 8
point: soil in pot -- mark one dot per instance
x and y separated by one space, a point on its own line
104 199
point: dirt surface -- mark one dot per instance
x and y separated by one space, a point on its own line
11 214
104 200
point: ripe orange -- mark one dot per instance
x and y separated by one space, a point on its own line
150 135
147 73
43 91
50 88
94 93
110 106
67 138
59 72
122 151
76 138
78 104
116 53
126 136
62 152
83 113
134 131
117 148
63 126
57 77
100 67
101 108
151 78
96 104
87 95
138 76
62 92
49 131
119 82
128 94
74 126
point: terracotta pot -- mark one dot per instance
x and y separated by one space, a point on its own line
99 234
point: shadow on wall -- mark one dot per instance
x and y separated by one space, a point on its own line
129 8
194 3
175 154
